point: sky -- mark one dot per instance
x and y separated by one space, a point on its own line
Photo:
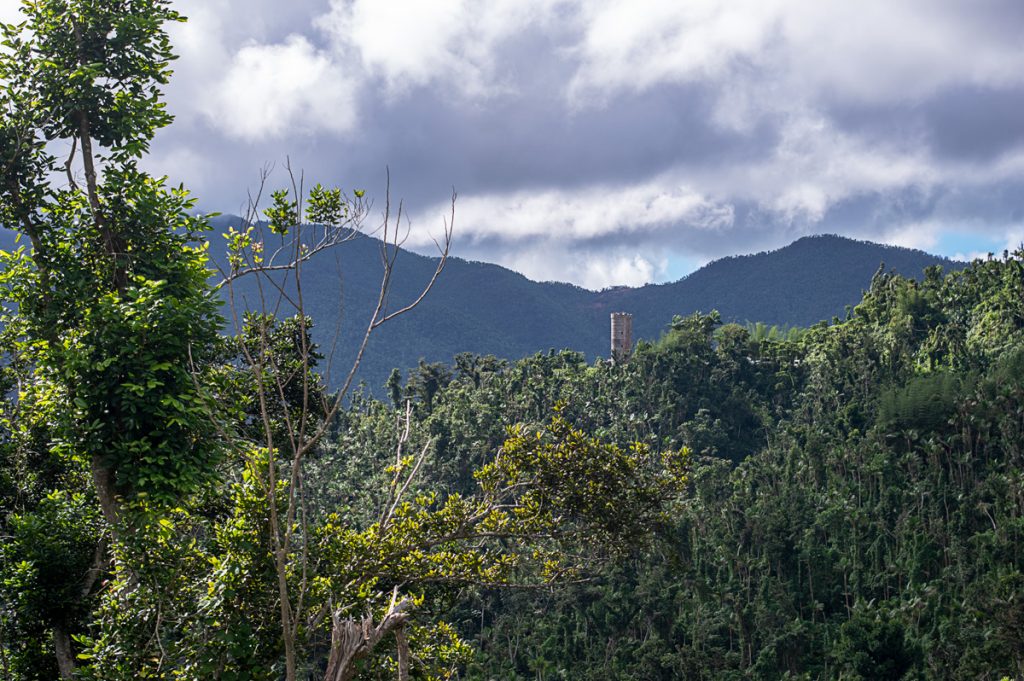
617 143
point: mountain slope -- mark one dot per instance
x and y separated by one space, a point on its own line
487 309
813 278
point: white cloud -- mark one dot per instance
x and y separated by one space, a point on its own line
942 233
202 43
753 50
969 257
814 166
263 21
923 235
182 165
595 236
1013 237
283 88
413 43
773 51
569 215
10 13
881 50
592 269
632 46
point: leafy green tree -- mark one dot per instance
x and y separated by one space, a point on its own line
427 380
870 647
394 387
110 321
112 296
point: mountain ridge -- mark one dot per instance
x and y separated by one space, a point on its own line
485 308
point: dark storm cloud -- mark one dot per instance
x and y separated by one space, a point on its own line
976 124
529 142
968 123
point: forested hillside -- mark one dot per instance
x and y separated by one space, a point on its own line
489 310
854 510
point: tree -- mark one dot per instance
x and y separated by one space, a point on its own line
109 315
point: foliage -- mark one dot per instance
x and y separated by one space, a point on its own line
109 325
865 520
177 503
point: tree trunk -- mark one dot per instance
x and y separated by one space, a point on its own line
353 640
402 643
103 479
287 630
62 647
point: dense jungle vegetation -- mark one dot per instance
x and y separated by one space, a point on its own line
183 497
855 505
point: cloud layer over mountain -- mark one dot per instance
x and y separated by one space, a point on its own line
607 143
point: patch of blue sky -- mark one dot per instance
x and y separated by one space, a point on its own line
678 266
967 245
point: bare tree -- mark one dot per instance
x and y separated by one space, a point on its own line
294 409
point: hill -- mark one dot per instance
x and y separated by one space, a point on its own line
812 279
487 309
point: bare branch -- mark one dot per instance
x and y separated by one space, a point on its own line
69 161
443 250
304 416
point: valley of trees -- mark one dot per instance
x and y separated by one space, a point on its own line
182 495
855 500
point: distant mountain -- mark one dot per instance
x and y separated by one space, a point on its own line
812 279
488 309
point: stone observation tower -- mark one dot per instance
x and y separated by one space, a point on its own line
622 336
